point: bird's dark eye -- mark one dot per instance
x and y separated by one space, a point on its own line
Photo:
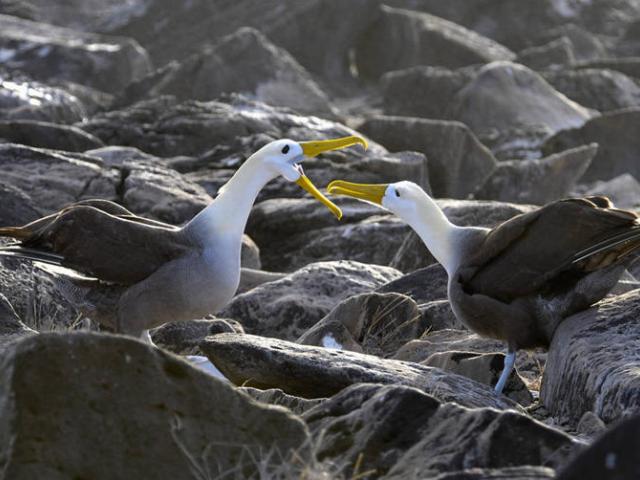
397 193
285 149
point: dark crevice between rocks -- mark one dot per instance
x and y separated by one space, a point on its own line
121 186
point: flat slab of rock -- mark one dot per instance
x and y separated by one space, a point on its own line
288 307
402 433
594 362
118 396
313 372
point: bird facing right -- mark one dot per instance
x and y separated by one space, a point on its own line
517 281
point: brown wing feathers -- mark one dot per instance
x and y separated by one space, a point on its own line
88 238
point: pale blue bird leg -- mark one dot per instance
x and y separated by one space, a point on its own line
509 362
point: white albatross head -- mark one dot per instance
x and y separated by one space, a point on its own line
283 157
401 198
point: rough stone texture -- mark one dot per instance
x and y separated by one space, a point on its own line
286 308
423 285
614 455
530 365
47 52
623 191
594 363
373 323
11 327
165 127
47 135
295 232
538 181
413 254
602 90
21 98
516 143
54 179
388 429
313 372
504 94
184 337
244 62
423 91
484 368
555 54
16 207
629 66
275 396
313 31
126 396
585 45
32 290
405 38
617 139
457 161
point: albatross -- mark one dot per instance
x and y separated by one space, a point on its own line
516 282
139 273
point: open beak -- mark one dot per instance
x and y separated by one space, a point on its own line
314 148
364 191
306 184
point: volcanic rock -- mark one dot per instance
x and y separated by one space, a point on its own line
16 207
457 160
313 372
504 94
149 398
47 135
538 181
373 323
406 38
617 139
623 191
47 52
593 363
288 307
387 429
555 54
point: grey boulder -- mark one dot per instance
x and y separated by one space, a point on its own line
505 94
288 307
593 362
617 139
55 422
538 181
46 52
373 323
457 161
401 432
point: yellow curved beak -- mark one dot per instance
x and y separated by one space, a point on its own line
316 147
364 191
306 184
313 149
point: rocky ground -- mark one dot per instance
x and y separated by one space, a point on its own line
494 106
